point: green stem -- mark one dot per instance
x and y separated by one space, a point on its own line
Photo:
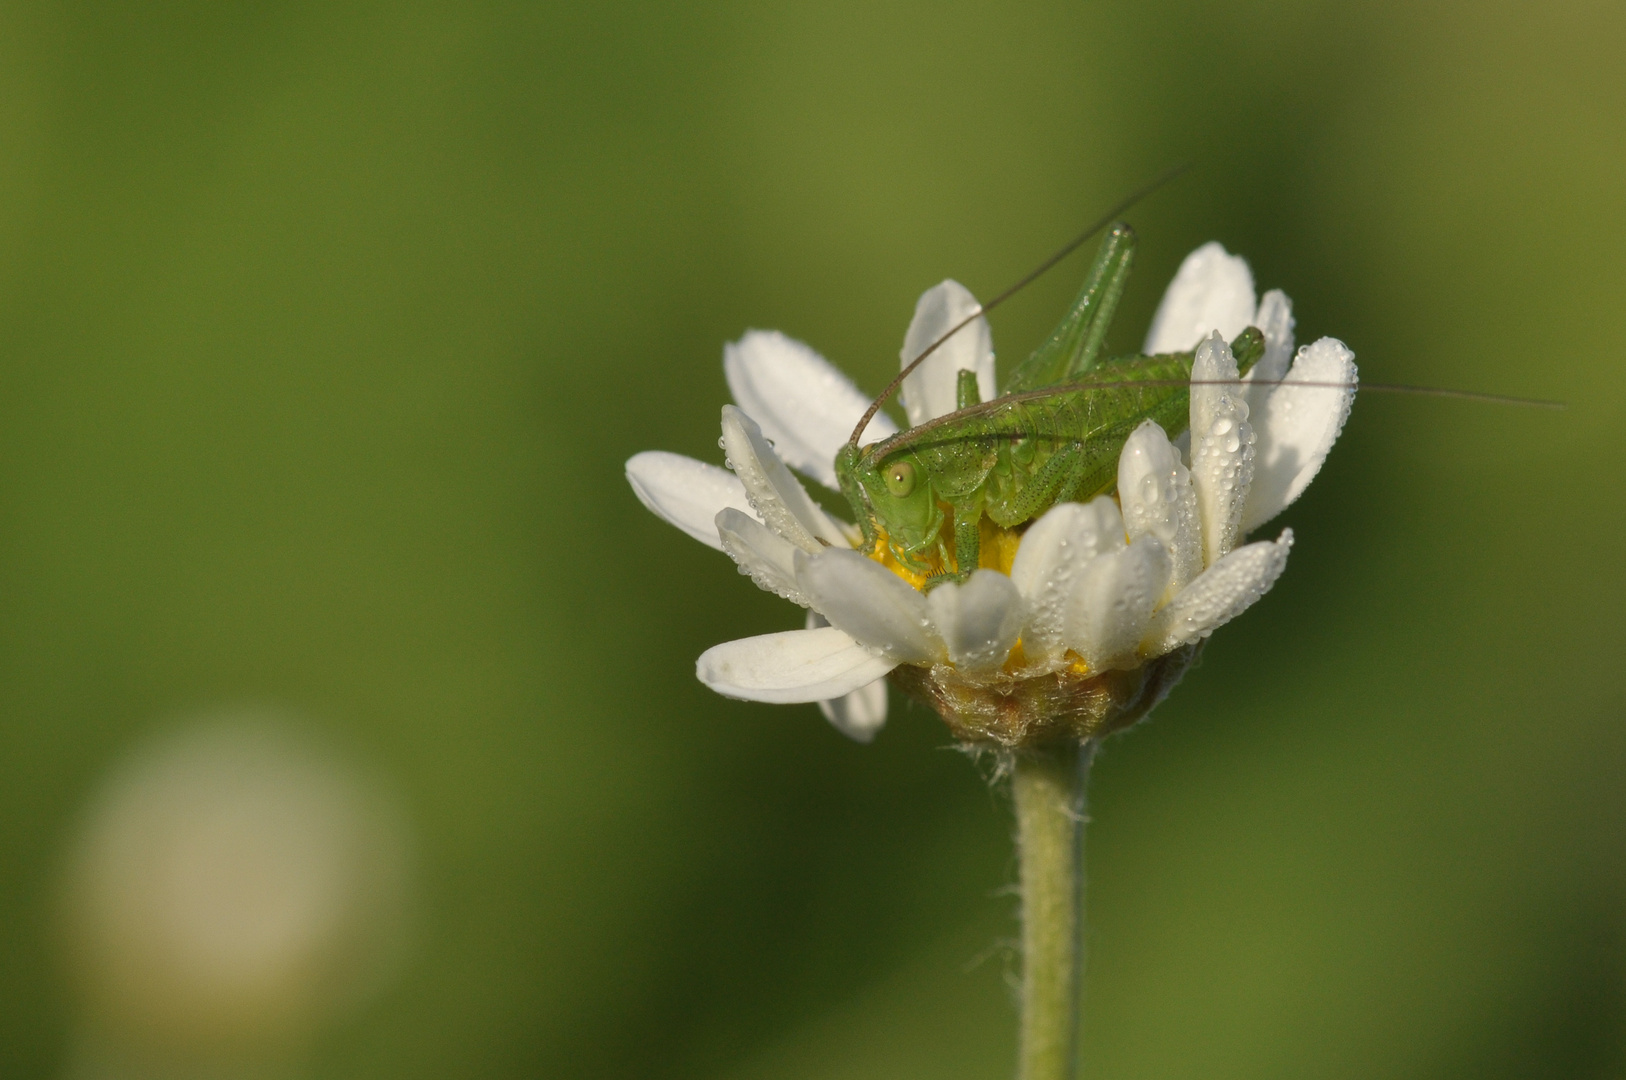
1048 788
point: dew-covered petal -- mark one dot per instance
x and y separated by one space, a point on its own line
1213 290
1297 427
1158 500
790 667
1110 607
685 492
978 621
929 391
1221 593
859 715
763 555
869 602
1275 321
803 403
1222 446
778 498
1052 552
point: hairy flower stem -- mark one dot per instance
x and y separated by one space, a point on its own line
1048 788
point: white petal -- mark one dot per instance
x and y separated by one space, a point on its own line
803 403
1109 609
871 603
685 492
1052 552
1222 446
978 621
1213 290
778 498
1221 593
1154 486
762 554
859 715
930 391
795 666
1298 426
1275 320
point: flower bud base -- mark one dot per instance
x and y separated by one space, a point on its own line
1044 710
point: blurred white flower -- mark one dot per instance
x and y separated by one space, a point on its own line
232 888
1085 591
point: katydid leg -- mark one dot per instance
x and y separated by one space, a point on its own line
966 393
1075 345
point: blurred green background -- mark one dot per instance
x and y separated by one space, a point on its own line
326 328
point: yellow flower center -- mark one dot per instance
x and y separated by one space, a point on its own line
997 551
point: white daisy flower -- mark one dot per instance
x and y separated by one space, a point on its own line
1079 621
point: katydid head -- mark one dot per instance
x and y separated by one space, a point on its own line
891 496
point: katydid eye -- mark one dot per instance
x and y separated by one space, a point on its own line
900 478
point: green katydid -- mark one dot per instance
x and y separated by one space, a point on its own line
1050 438
1054 434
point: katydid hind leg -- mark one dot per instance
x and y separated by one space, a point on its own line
1074 347
1109 291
